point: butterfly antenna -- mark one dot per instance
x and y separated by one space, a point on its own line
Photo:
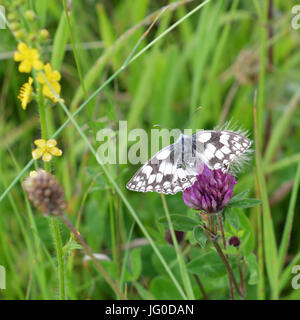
159 125
191 116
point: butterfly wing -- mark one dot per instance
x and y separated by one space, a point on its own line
163 173
219 149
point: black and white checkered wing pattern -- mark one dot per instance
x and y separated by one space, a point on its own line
162 173
219 149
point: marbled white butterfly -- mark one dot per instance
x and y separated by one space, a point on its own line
173 168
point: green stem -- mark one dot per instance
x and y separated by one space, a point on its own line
289 221
74 49
90 253
59 252
231 291
43 121
263 18
52 222
181 262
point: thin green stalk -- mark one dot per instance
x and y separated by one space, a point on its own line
112 231
282 125
283 249
90 253
270 248
43 122
52 223
74 49
221 225
260 253
263 18
125 260
184 274
60 259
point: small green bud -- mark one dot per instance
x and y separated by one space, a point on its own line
44 34
15 26
12 16
19 34
30 15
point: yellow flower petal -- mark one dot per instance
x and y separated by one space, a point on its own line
38 65
22 47
47 157
56 75
37 153
25 66
18 56
41 143
51 143
56 87
56 152
40 78
47 68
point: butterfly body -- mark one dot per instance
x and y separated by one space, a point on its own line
175 167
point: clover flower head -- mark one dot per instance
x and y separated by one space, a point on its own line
212 190
53 77
29 58
46 149
25 93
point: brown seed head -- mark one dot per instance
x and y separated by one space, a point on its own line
45 192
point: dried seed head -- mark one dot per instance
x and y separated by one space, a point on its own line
45 192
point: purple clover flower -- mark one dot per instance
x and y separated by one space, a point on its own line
212 190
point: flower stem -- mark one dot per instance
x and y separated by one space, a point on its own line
60 259
43 121
224 244
181 262
213 238
90 253
53 224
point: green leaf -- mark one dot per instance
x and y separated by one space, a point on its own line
200 236
180 222
231 250
240 196
244 203
253 269
163 289
247 238
59 43
209 265
232 216
113 270
41 8
136 263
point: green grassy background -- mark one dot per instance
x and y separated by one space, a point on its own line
215 58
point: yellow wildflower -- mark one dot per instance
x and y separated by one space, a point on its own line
30 58
52 77
45 149
25 93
